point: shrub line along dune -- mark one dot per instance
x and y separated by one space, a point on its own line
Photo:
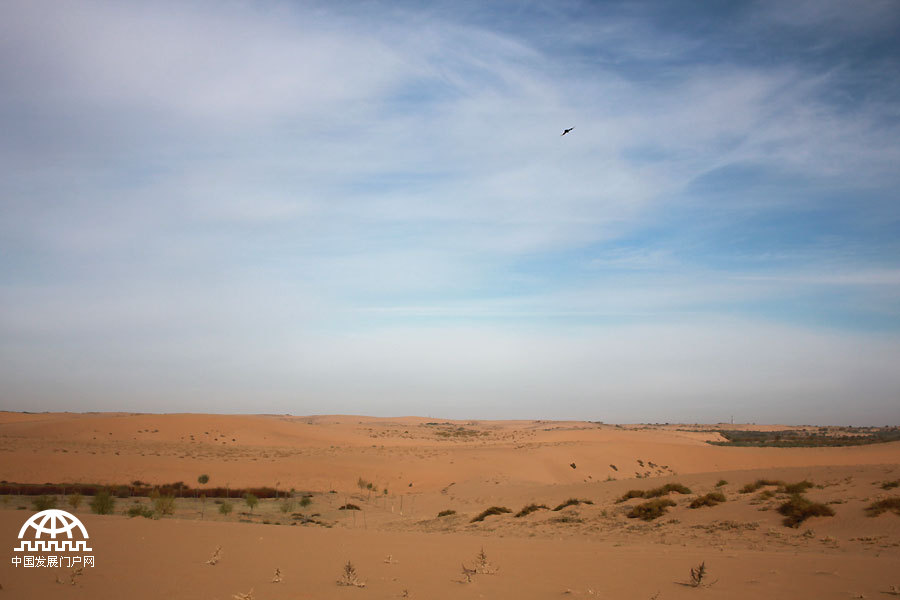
655 492
494 510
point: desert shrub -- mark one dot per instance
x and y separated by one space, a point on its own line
527 510
44 502
888 504
494 510
305 501
349 506
103 502
203 479
446 513
655 492
710 499
164 505
139 510
572 502
286 505
225 508
721 482
887 485
631 494
752 487
251 500
74 500
798 509
650 510
796 488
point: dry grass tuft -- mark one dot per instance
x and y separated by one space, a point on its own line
527 510
650 510
752 487
698 574
217 555
572 502
796 488
655 492
350 577
710 499
798 509
277 577
482 565
494 510
247 596
888 504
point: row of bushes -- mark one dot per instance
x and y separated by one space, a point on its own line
137 488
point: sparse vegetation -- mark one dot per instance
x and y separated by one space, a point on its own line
655 492
799 508
698 574
721 482
225 508
163 505
44 502
527 510
350 577
494 510
802 438
881 506
74 500
446 513
650 510
796 488
306 501
139 510
103 502
286 505
251 501
888 485
349 506
572 502
710 499
752 487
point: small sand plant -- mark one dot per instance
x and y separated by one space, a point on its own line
214 559
799 508
390 560
572 502
888 504
467 574
527 510
482 565
710 499
698 575
247 596
651 510
73 576
350 577
277 577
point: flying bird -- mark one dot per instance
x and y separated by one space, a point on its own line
567 131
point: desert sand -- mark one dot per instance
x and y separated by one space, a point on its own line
419 467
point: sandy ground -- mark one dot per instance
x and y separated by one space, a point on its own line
419 467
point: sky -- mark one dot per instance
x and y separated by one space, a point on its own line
368 208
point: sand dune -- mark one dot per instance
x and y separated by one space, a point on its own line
419 467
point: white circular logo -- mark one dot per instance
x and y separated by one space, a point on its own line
53 522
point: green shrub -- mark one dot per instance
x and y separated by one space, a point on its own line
44 502
798 509
888 504
103 502
305 501
286 505
650 510
527 510
225 508
251 500
721 482
710 499
164 505
494 510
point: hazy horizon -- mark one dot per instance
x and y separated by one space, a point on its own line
368 208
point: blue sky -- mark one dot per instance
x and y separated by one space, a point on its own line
368 208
